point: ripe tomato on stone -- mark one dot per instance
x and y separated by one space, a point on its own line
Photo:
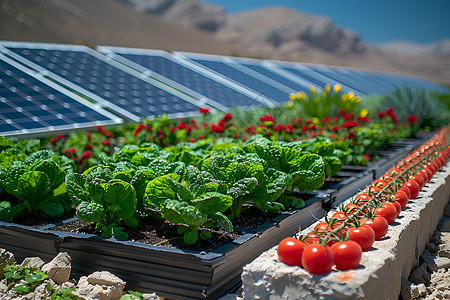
379 225
361 199
364 235
401 197
290 251
347 255
317 259
414 188
388 211
397 206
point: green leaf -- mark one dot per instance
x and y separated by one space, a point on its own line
121 197
91 212
160 189
242 187
210 203
223 221
332 165
291 201
21 288
126 175
7 213
33 188
204 235
75 185
17 169
178 212
132 222
308 172
55 174
53 209
190 237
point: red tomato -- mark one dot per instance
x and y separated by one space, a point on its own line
426 176
361 199
405 189
379 183
340 216
347 255
388 211
414 188
351 208
386 177
419 179
429 173
317 259
312 238
401 197
379 225
394 171
433 167
373 190
290 251
364 235
323 226
397 206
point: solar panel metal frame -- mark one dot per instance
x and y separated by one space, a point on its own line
46 131
236 64
114 52
101 101
302 67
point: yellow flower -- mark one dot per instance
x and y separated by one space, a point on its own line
344 97
292 96
337 88
290 103
357 99
313 90
327 88
351 96
315 120
301 95
364 112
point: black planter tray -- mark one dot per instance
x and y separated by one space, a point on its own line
171 273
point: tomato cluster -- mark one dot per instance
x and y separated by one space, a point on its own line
340 240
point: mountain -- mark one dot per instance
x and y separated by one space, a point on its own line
100 22
440 47
196 26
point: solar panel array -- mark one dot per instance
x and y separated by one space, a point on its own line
39 81
30 106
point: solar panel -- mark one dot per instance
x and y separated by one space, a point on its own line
183 75
239 73
305 73
31 105
111 84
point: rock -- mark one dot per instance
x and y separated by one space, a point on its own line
59 268
434 261
408 290
420 275
6 258
33 262
444 247
3 288
422 289
151 296
100 285
444 224
432 247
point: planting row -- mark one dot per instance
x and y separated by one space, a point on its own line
340 240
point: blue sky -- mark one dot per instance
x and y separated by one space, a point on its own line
375 21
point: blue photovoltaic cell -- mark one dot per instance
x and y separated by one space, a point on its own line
350 80
259 86
193 80
279 78
27 103
105 80
305 74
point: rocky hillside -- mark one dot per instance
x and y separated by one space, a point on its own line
196 26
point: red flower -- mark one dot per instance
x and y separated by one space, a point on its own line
381 115
72 150
138 129
217 128
86 154
411 119
88 136
298 121
249 128
348 116
106 142
227 117
200 137
182 125
366 156
335 128
60 136
266 119
88 147
279 127
289 128
191 140
304 128
326 119
161 137
349 124
222 122
363 119
54 139
204 110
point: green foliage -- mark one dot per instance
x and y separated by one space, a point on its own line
103 199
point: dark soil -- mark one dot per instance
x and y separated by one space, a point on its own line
164 234
37 221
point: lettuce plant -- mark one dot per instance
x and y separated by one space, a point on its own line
33 183
103 199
